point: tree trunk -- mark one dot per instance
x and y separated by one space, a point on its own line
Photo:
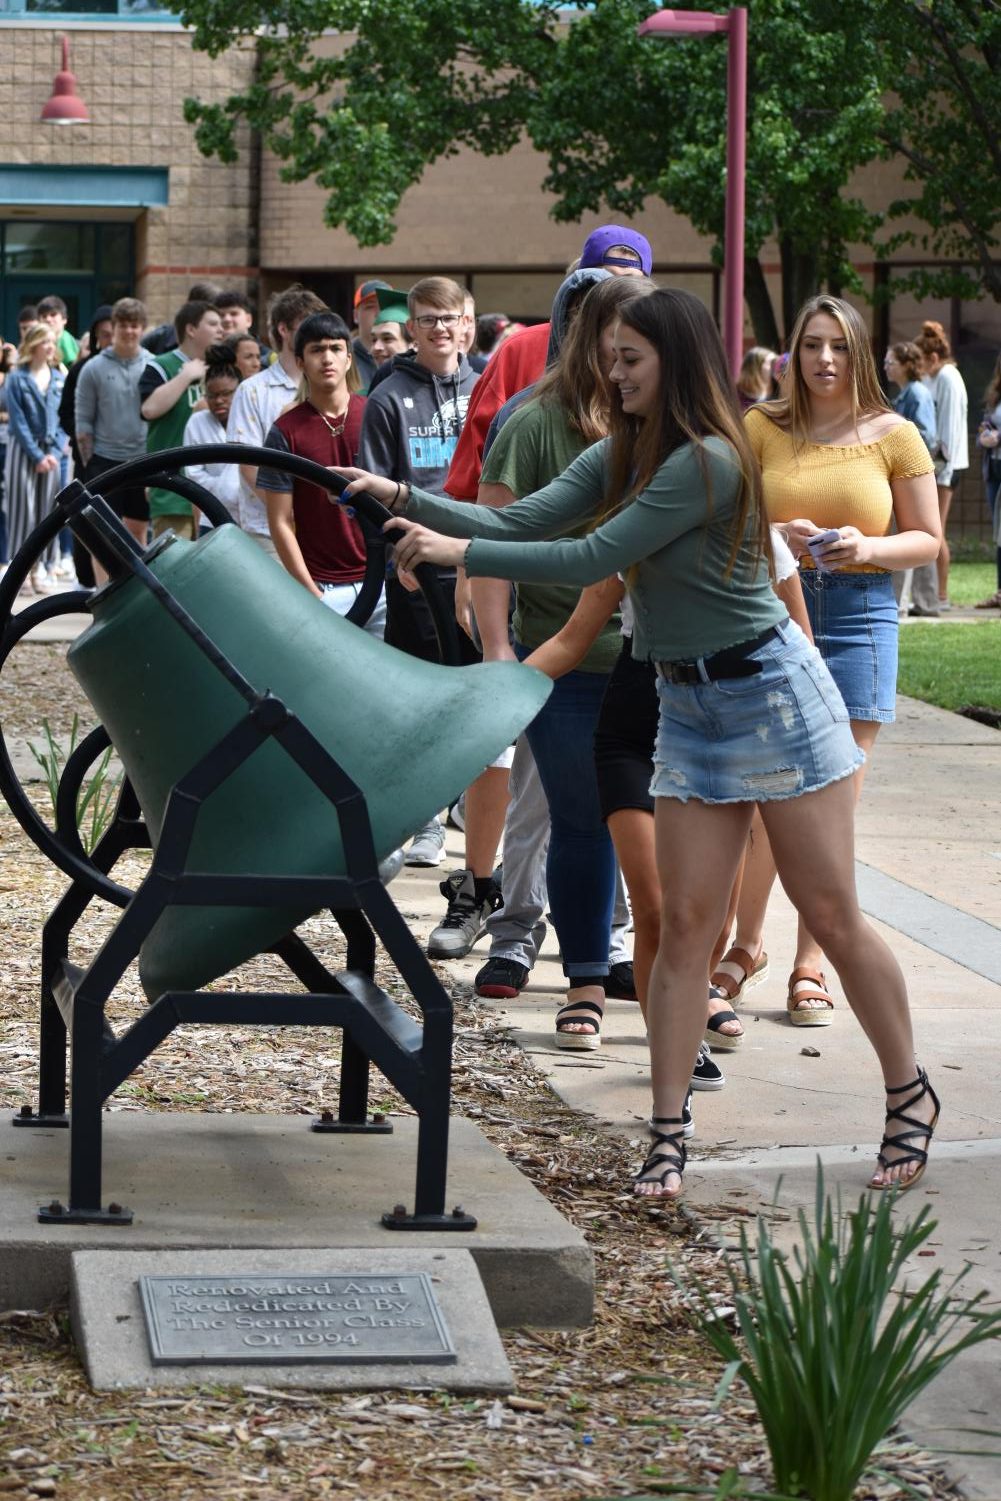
800 279
759 303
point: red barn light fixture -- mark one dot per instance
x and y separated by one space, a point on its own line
64 105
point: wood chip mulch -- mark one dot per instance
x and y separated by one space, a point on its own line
624 1408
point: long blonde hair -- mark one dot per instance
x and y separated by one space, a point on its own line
752 380
35 334
792 410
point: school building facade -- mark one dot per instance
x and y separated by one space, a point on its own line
127 204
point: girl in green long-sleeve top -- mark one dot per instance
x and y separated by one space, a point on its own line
748 712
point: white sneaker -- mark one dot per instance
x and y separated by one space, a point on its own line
41 582
65 570
390 868
428 847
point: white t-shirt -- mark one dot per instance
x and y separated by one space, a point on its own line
257 404
785 563
221 480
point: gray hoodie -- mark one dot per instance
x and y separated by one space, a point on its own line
413 420
107 404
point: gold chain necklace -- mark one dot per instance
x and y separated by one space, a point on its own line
335 430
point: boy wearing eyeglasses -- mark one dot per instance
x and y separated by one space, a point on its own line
414 416
412 423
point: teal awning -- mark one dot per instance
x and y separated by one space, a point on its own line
93 187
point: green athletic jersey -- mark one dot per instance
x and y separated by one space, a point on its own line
168 432
68 348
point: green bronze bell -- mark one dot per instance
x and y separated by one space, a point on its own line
411 734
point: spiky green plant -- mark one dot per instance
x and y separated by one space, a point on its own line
831 1348
95 806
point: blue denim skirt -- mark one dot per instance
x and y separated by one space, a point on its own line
777 734
855 625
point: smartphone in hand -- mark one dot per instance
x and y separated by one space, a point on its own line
818 543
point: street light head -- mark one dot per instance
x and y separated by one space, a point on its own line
683 23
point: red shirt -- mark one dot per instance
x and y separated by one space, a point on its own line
329 538
518 363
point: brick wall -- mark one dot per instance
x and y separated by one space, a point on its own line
134 80
469 216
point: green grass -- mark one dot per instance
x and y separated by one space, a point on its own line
952 665
955 664
971 582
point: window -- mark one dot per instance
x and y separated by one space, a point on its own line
94 10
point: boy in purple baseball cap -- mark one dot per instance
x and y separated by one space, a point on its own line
623 252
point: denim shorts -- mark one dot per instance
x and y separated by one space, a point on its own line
777 734
855 625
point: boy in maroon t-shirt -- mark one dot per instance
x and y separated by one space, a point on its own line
319 542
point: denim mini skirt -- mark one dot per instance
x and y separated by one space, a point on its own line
777 734
855 625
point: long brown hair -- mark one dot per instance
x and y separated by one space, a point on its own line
576 381
698 400
793 410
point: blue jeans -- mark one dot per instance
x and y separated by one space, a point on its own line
854 620
580 867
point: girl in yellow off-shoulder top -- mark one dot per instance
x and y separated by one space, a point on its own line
835 456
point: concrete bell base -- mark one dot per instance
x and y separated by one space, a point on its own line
268 1182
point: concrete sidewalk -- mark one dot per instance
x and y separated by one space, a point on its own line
929 872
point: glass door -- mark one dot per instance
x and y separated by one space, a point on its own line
84 264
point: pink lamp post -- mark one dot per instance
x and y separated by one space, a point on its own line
734 23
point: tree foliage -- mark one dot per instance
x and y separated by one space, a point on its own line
390 88
623 118
362 95
946 57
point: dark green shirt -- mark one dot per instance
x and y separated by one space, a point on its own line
535 445
676 532
168 431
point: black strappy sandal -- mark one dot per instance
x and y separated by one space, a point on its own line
673 1160
580 1041
902 1141
687 1120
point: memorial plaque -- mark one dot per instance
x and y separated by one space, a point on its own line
279 1319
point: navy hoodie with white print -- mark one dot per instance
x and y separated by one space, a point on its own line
412 422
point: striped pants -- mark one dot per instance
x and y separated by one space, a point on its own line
29 498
